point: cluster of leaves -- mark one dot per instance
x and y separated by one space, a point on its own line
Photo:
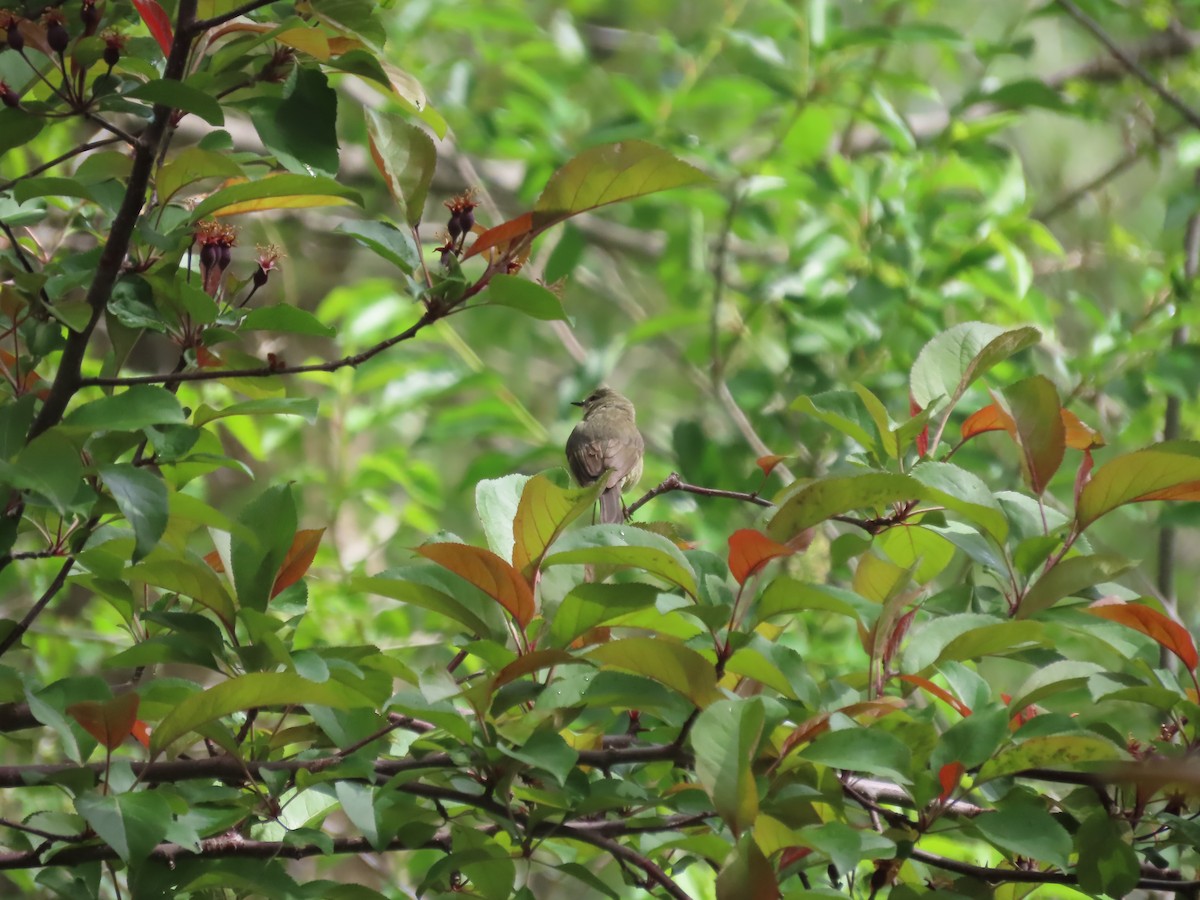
606 705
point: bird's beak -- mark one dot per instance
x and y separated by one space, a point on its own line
579 403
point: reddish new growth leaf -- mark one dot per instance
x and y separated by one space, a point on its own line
750 550
768 463
299 557
914 409
141 733
940 692
1078 436
1022 716
109 722
158 22
949 776
488 572
1152 623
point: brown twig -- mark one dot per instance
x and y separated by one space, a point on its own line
18 631
1131 65
674 483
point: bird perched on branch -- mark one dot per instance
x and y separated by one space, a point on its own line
607 439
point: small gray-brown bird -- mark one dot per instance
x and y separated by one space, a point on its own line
607 438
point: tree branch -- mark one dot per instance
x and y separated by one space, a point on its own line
674 483
1131 65
18 630
67 378
201 25
1033 876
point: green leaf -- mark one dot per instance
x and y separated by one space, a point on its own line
192 165
270 523
180 95
1068 578
973 739
747 874
300 128
862 750
611 174
358 803
247 692
1037 412
844 411
135 408
1059 751
542 513
276 192
948 364
591 604
1168 471
190 577
425 597
816 501
525 296
132 823
305 407
726 737
406 158
387 241
624 545
1107 862
49 465
142 499
786 595
666 662
284 318
1063 675
17 128
496 501
1023 829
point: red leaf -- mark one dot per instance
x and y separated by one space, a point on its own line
1152 623
793 854
109 722
505 233
940 692
488 572
158 22
214 560
990 418
141 733
899 630
750 550
768 463
949 776
1019 718
298 558
914 409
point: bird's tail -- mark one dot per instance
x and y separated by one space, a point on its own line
611 511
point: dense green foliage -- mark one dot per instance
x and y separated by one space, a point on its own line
298 599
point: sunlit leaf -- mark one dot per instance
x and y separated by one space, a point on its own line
405 157
298 558
543 512
1169 471
287 191
725 737
1150 622
665 661
750 550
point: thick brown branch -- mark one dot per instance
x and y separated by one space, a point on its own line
67 378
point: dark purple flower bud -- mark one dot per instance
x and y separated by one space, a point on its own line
57 37
224 256
260 277
16 40
8 96
90 16
112 54
208 255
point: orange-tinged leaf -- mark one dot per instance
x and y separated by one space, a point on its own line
914 410
768 463
938 691
287 201
298 558
1168 471
109 722
1153 624
488 572
949 776
543 511
214 560
503 235
141 733
750 550
990 418
1080 436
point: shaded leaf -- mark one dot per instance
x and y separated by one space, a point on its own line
109 721
406 158
1039 431
142 499
135 408
180 95
725 737
525 296
1068 578
132 823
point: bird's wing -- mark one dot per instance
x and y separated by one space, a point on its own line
621 455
